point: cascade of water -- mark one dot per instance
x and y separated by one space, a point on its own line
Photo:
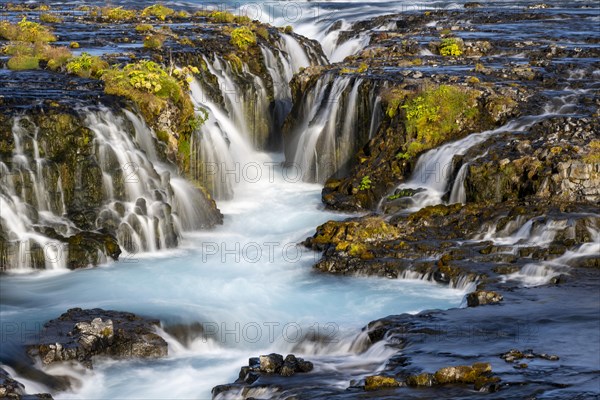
540 273
140 203
327 131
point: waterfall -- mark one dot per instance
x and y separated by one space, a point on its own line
247 120
433 175
134 196
329 128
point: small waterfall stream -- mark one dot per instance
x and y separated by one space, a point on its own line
138 200
433 177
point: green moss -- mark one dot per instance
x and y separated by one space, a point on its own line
262 32
236 63
434 115
154 41
450 47
158 11
26 31
243 38
380 382
48 18
87 66
162 136
74 45
23 62
222 17
117 14
143 27
394 99
151 87
363 67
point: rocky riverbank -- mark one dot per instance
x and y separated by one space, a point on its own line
499 212
467 139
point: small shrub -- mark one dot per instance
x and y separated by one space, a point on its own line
450 47
74 45
158 11
48 18
183 14
365 183
243 38
86 66
23 62
154 42
288 29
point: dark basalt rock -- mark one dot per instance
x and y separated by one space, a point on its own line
482 297
79 335
556 160
264 366
11 389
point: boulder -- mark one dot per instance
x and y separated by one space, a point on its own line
79 335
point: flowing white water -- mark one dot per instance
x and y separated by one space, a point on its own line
140 202
540 273
433 174
240 279
329 130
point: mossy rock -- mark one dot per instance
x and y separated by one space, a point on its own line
379 382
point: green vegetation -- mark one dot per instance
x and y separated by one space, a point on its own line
48 18
154 42
143 27
87 66
363 67
152 88
55 57
394 99
365 183
74 45
450 47
434 115
262 32
288 29
29 45
158 11
23 62
26 31
114 14
243 38
222 17
236 63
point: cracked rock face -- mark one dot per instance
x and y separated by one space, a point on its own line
79 335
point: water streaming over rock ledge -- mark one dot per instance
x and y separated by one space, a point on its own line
87 178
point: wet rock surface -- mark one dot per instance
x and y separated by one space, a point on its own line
12 389
259 370
80 335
